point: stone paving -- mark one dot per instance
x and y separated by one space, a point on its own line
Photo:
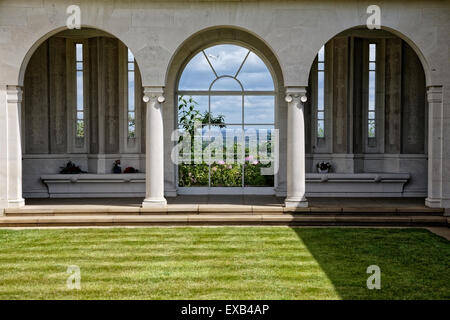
225 210
232 200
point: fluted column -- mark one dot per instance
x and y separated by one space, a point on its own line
295 97
154 148
11 144
438 150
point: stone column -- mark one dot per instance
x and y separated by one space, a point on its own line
435 147
154 148
11 159
295 148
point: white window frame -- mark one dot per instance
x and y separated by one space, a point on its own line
375 144
243 189
77 144
129 144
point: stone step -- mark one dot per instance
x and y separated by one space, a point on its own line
223 219
220 209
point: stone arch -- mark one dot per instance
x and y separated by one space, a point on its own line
410 42
187 50
43 38
221 35
345 117
52 116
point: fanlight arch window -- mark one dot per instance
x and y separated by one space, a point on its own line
230 87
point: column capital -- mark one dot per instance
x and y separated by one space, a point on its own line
14 94
295 95
153 91
434 94
296 92
153 95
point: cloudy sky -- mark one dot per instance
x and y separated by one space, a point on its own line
226 61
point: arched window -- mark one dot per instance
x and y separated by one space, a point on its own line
229 87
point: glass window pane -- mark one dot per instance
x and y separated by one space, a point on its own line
372 90
197 75
80 90
320 128
130 55
79 66
226 84
255 75
320 90
372 66
79 51
234 143
372 51
259 109
321 66
320 115
226 58
253 176
131 99
131 66
131 125
227 171
321 54
371 80
80 115
226 175
230 107
372 115
193 175
191 108
80 128
258 142
371 128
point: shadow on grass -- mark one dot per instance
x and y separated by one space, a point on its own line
414 263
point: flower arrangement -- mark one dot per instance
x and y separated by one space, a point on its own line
130 170
323 167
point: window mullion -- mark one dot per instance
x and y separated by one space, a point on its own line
371 103
320 115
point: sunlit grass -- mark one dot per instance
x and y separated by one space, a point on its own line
223 263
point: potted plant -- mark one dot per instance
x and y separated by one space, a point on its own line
71 168
117 168
323 167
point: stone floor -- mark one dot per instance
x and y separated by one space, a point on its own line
255 200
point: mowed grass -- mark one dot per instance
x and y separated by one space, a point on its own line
223 263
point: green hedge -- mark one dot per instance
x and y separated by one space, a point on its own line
223 175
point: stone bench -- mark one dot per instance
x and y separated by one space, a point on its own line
356 184
317 185
87 185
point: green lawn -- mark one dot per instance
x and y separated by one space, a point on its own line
224 263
